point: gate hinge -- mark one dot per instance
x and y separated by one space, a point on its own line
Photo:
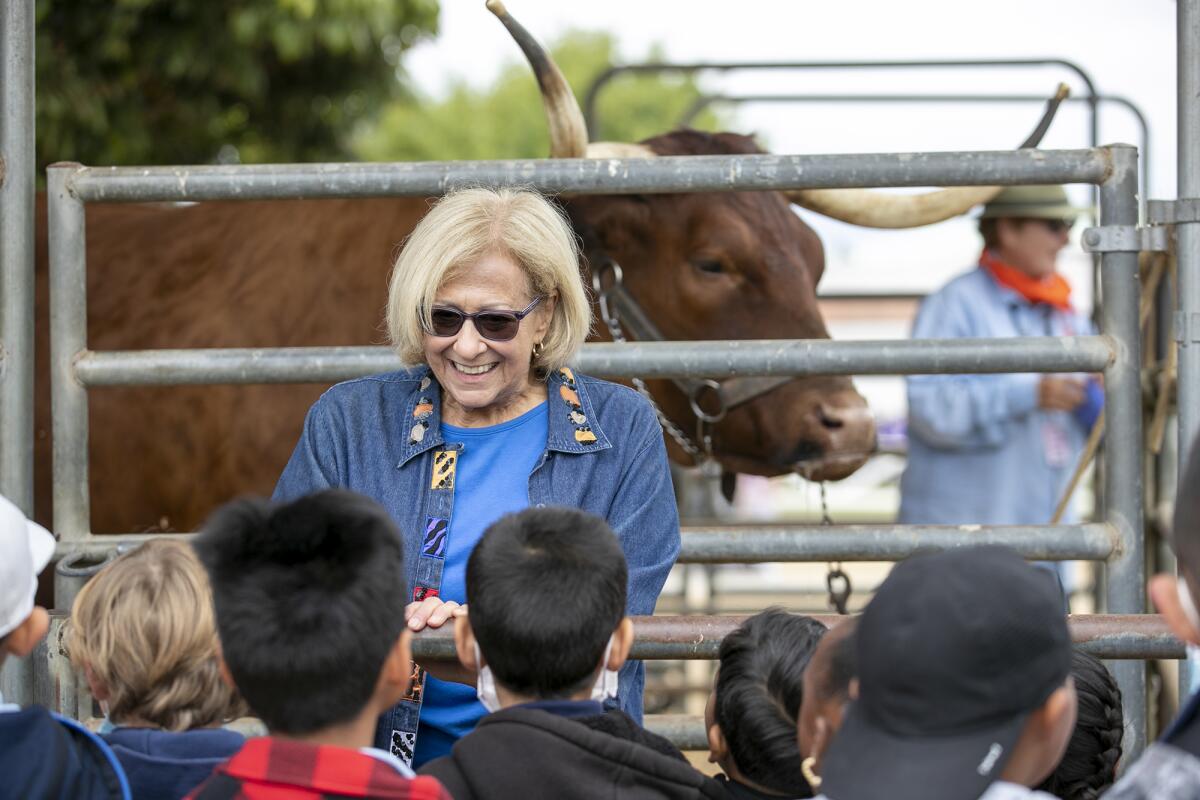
1170 212
1125 239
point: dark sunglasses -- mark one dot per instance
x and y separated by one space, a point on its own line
497 326
1056 225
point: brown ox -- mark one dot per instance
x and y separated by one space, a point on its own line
302 273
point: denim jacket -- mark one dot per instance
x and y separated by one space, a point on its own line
360 435
979 448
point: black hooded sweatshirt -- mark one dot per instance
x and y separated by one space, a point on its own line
524 753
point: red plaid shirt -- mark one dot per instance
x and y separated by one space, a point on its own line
278 769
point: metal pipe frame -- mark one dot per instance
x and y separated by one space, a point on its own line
1187 321
1126 587
715 359
17 173
704 101
68 338
1127 637
724 173
593 92
798 543
1116 352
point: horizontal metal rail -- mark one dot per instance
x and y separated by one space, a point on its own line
685 731
753 545
724 173
641 359
788 543
1111 636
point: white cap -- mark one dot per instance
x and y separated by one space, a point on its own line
25 550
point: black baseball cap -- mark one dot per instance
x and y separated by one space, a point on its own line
954 652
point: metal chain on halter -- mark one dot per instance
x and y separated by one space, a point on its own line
836 581
701 457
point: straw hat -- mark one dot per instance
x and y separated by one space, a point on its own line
1037 202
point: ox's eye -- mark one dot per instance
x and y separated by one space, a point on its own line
709 265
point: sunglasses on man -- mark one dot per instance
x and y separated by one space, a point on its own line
1055 225
495 326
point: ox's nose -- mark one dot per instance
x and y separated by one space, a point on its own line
832 419
841 435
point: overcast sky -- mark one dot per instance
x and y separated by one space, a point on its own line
1127 46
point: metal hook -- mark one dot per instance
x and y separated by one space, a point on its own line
608 266
838 584
694 401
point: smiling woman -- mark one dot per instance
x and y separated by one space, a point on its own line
487 306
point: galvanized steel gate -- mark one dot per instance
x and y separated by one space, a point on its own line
1117 540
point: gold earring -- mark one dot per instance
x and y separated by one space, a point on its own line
810 775
538 347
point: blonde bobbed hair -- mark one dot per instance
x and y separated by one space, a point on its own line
144 627
468 224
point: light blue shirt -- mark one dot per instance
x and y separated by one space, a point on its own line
493 480
979 448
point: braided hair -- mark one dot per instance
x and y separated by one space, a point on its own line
1089 766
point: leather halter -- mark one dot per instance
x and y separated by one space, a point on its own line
710 400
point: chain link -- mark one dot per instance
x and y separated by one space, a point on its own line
701 457
836 580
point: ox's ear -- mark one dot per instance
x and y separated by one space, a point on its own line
612 224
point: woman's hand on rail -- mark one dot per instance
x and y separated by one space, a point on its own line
431 612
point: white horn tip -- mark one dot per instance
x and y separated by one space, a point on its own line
496 7
1063 92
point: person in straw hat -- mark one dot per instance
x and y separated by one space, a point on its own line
1000 449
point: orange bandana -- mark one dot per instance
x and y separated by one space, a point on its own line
1053 290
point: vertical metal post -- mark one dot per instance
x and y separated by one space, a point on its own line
68 338
16 252
1123 420
1187 322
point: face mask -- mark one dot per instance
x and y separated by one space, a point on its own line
1189 605
606 681
485 686
1193 616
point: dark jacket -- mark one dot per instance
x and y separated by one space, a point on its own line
740 791
46 757
523 753
616 722
166 765
1170 768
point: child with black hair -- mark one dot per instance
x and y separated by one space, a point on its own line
312 633
43 756
964 688
1089 766
752 712
827 688
546 634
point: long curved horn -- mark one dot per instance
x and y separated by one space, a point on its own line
877 210
619 150
568 133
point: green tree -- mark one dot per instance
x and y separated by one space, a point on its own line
193 81
505 119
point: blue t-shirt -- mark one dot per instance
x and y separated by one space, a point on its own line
492 480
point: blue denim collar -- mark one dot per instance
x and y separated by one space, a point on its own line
572 423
